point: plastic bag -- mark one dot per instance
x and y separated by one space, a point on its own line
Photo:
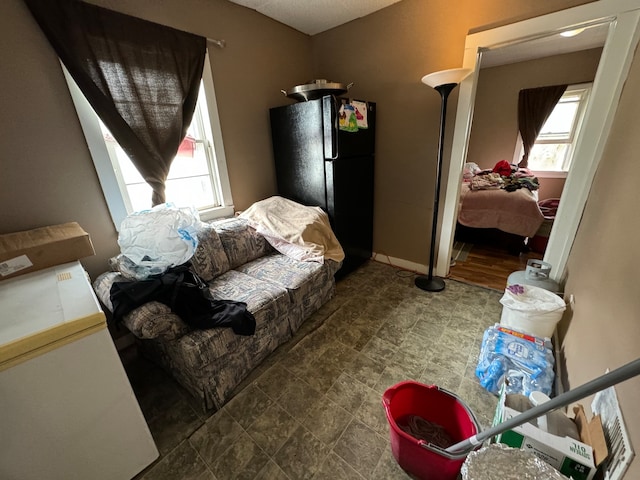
156 239
532 299
523 361
470 170
531 309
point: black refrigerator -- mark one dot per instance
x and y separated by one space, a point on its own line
323 161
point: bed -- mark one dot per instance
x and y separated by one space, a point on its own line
503 217
514 212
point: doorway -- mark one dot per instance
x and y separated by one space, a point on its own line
621 19
494 137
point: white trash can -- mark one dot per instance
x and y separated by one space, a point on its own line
531 309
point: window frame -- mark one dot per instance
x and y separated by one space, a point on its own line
571 140
110 179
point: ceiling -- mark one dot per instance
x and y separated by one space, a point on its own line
315 16
591 37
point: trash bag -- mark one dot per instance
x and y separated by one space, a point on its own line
156 239
532 299
531 309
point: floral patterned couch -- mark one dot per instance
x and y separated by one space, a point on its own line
238 264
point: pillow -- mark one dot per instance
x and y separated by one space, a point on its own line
209 260
241 242
470 170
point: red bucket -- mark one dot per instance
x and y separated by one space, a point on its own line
417 457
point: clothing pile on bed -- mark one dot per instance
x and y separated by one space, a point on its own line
503 175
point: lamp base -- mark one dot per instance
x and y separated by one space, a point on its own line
433 284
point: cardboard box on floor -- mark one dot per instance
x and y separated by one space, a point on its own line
575 459
31 250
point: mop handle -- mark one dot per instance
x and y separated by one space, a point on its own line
621 374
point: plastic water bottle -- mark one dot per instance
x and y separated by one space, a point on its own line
524 362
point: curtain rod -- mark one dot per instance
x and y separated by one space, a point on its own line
218 43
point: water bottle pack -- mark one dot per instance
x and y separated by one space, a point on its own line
523 361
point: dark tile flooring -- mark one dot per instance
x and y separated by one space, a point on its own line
313 409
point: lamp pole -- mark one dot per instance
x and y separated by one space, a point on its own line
443 82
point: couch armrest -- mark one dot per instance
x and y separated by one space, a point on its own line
333 266
155 320
151 320
102 287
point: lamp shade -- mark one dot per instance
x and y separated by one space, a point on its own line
443 77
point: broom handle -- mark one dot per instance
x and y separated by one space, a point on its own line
621 374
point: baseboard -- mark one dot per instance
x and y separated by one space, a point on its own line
399 262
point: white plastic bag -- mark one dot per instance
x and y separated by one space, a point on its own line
156 239
528 298
531 309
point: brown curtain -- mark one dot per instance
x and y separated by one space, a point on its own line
534 107
141 78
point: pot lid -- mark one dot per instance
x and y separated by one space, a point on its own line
320 84
316 89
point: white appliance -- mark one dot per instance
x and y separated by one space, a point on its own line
67 410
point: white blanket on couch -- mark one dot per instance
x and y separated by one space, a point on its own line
300 232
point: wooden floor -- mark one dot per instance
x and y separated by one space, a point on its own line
489 267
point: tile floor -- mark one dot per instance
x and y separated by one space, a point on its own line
313 409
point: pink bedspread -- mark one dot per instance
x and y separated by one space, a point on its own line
512 212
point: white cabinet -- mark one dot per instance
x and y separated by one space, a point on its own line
67 410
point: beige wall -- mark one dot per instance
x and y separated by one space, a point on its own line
495 117
47 175
603 330
46 172
550 188
386 54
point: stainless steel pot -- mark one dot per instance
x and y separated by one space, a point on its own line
316 89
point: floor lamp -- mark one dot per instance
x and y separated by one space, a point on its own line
444 82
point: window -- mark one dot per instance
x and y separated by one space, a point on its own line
553 150
198 174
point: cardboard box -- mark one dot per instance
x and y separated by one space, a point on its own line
575 459
31 250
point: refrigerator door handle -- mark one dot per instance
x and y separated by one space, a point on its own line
330 127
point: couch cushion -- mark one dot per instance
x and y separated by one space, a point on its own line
241 242
305 281
209 259
291 274
268 302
